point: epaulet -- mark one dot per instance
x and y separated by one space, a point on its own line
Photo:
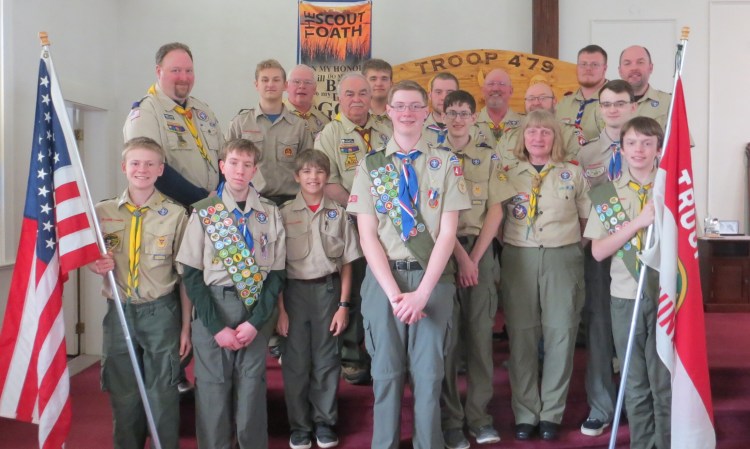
570 92
442 147
107 199
244 110
137 104
265 200
375 150
484 144
592 140
285 203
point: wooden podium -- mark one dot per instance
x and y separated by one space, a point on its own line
725 273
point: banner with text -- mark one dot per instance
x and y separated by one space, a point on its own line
333 38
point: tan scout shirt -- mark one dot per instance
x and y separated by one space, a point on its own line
591 122
345 147
315 119
654 104
623 285
485 187
317 243
162 227
437 170
383 121
594 159
511 120
509 140
155 117
269 240
280 142
432 132
562 201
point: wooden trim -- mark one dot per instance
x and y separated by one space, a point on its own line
546 28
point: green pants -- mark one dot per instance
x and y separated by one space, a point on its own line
311 365
396 348
230 386
353 337
648 394
155 332
543 294
473 318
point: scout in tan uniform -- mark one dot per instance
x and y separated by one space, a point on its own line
185 127
142 229
276 131
636 68
435 126
542 276
579 108
379 75
407 199
627 201
598 161
233 257
346 141
496 115
538 96
314 308
476 298
300 93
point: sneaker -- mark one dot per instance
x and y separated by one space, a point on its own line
325 436
275 351
485 434
455 439
593 427
300 440
356 375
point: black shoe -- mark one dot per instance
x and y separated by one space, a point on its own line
548 430
275 351
524 431
356 375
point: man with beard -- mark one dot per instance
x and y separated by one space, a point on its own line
496 117
580 108
300 93
636 68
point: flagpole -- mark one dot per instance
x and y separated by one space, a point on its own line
679 61
44 40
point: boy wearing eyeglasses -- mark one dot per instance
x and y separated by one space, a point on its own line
476 297
601 161
407 198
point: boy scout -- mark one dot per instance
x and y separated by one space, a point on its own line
278 133
184 126
407 199
233 257
300 93
379 75
321 244
435 126
600 159
142 229
622 210
474 311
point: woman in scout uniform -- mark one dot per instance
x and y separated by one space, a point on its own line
542 276
622 210
476 298
407 199
233 258
142 230
314 308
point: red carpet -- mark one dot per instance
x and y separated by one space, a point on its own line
729 362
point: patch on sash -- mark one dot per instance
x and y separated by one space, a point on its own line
519 212
175 127
434 163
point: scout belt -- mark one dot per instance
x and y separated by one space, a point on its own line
231 249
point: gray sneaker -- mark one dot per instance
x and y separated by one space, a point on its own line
455 439
325 436
300 440
485 434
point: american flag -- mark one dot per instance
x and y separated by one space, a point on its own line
56 237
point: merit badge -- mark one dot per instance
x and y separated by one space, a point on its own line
434 163
332 214
202 115
421 227
261 217
617 207
163 211
380 207
605 207
211 210
476 162
621 216
565 175
609 212
598 208
519 212
374 174
377 182
613 220
206 221
219 207
203 213
111 241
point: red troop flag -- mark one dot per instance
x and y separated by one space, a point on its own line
56 237
681 341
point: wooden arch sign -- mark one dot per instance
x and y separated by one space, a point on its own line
471 66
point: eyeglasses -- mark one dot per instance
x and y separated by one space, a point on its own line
539 98
494 84
617 104
306 83
589 65
413 107
455 114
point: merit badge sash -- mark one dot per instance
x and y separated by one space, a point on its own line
231 249
384 178
607 203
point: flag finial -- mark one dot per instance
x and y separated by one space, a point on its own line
685 33
43 38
